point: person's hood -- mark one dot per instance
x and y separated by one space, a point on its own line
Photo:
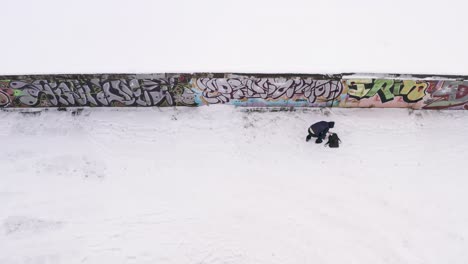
331 124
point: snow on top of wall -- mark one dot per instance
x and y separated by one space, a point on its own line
427 77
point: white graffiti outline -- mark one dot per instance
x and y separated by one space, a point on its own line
222 90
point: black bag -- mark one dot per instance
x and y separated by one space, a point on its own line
333 141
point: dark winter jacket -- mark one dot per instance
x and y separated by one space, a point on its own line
321 128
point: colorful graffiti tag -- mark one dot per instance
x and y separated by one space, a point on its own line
236 89
448 95
416 94
221 90
411 91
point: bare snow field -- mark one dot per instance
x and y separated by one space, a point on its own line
255 36
221 184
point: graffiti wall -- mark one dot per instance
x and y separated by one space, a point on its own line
416 94
268 91
141 90
67 91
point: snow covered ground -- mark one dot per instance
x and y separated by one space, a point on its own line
220 184
275 36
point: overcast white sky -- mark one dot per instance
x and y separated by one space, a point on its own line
329 36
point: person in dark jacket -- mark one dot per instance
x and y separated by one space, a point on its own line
319 130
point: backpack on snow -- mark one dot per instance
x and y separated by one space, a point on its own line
333 141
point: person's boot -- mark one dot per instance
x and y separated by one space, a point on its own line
308 138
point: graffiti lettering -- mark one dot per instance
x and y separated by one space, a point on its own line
5 94
175 89
411 91
222 90
450 94
4 99
97 92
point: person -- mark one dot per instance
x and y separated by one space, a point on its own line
319 130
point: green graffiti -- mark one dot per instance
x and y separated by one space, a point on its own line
382 87
17 93
411 91
414 91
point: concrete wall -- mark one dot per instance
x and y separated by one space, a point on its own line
285 90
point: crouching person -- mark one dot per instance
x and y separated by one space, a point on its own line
319 130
